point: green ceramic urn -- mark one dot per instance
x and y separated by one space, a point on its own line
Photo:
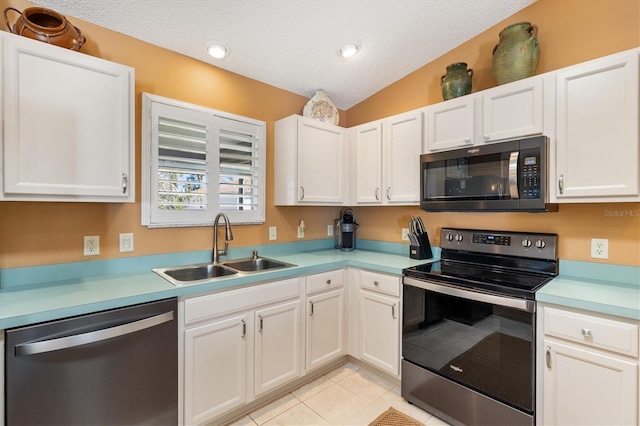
457 81
517 54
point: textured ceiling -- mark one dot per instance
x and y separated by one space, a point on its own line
294 44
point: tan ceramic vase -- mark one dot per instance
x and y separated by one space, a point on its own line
517 54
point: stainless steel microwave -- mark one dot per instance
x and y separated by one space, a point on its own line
506 176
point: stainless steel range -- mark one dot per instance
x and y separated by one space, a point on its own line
468 336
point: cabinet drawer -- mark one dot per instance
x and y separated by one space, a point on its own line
387 284
219 304
325 281
615 336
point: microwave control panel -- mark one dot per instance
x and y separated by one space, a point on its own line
530 177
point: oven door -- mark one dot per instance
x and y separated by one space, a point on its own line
481 341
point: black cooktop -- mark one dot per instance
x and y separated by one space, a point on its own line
487 278
501 262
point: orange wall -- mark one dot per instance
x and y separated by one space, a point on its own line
49 233
569 33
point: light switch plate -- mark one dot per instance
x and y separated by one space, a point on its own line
126 242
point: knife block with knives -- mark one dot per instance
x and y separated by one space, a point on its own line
420 247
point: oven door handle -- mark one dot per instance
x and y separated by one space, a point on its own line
510 302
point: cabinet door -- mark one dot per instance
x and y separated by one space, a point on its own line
380 331
325 339
68 124
322 162
215 374
597 130
403 146
368 163
277 346
452 124
583 387
513 110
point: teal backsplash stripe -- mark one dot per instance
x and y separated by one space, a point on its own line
16 277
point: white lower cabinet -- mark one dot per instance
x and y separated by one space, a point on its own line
277 353
215 368
590 368
325 319
238 345
379 328
586 387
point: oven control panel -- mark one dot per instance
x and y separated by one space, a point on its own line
501 240
508 243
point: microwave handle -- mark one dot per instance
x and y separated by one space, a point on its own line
513 174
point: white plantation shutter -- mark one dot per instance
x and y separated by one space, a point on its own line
241 181
198 162
182 165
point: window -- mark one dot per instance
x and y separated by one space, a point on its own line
198 162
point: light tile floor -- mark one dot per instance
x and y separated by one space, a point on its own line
347 395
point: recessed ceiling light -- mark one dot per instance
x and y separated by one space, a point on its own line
217 50
348 50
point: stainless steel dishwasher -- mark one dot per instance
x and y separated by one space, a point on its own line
117 367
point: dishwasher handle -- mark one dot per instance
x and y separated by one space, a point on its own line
91 337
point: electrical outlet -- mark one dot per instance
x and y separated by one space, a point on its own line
273 233
599 248
126 242
405 234
91 245
329 230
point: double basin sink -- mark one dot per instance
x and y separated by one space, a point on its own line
207 271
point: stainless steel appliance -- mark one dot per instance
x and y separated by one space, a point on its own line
117 367
346 230
504 176
468 334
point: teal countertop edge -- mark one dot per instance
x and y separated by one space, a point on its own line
42 293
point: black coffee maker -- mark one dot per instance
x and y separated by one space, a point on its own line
346 230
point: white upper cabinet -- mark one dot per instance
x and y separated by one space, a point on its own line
453 124
513 110
366 146
505 112
310 162
402 149
597 130
68 124
386 160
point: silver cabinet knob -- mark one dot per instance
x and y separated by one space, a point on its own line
586 332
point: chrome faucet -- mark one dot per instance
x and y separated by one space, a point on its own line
228 236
